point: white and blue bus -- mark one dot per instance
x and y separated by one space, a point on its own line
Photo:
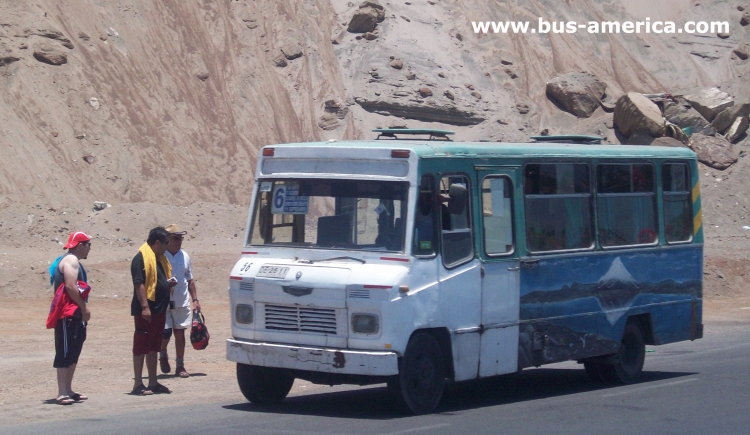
416 262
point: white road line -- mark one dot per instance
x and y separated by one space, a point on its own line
419 429
649 387
745 308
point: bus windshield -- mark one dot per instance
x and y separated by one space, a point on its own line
330 214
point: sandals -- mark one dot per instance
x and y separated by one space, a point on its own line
78 397
141 390
181 372
64 400
160 389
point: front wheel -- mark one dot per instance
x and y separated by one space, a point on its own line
421 380
628 362
263 385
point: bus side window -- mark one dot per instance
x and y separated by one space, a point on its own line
678 214
557 197
456 238
626 204
424 218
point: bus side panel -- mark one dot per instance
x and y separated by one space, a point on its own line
576 306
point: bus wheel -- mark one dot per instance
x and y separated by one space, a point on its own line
628 362
421 380
263 385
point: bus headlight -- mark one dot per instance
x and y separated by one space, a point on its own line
243 314
365 323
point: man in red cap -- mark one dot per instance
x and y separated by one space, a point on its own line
70 332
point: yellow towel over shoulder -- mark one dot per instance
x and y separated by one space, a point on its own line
149 263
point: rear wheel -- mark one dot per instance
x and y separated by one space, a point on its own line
628 362
263 385
420 383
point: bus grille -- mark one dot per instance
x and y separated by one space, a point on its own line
301 319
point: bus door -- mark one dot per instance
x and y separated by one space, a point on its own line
500 271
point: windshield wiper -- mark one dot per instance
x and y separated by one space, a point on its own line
340 258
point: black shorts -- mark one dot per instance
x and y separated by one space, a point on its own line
70 333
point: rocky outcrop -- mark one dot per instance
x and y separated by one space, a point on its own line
739 126
280 60
681 113
7 60
714 151
369 14
726 118
51 34
667 142
427 111
291 50
634 112
577 93
710 102
51 57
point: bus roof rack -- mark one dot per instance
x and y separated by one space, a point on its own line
570 138
391 133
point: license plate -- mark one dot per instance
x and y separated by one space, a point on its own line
272 272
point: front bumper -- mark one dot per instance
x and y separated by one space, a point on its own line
349 362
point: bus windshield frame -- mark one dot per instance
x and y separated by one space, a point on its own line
320 213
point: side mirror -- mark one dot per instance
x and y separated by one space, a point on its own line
457 199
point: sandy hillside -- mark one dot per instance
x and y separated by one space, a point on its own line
160 108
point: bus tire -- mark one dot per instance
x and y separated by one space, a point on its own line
263 385
420 383
628 362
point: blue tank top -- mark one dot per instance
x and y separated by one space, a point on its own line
59 278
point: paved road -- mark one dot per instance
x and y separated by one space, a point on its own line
694 387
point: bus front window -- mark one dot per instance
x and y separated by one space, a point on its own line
330 214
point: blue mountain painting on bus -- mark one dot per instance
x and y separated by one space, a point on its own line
589 316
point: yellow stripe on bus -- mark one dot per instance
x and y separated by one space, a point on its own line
698 218
697 223
696 192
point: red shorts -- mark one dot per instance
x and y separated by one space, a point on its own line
148 335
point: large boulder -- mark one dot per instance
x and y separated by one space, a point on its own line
375 5
578 93
681 113
738 127
726 118
714 151
364 20
710 102
634 112
50 56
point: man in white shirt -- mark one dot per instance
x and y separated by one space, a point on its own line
183 301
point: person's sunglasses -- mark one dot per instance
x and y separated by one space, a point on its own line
178 238
85 244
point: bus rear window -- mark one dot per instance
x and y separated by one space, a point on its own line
678 214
